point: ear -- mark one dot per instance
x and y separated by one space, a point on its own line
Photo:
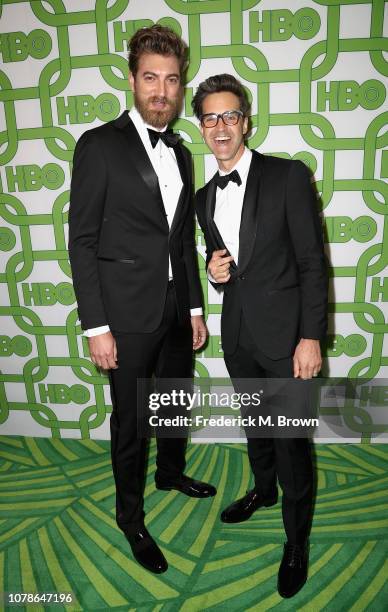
131 81
245 125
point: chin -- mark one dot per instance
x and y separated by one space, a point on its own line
223 156
158 119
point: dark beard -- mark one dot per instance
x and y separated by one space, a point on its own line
158 119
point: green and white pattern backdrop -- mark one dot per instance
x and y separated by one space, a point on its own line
316 74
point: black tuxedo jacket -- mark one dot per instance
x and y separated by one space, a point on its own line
119 237
280 282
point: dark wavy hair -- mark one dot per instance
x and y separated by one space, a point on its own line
217 84
156 39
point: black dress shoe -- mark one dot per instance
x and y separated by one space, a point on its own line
242 509
293 569
146 551
188 486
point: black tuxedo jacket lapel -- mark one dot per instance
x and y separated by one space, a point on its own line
250 212
249 215
185 173
140 159
213 229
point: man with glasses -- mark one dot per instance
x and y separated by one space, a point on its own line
265 249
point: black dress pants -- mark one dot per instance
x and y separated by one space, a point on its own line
287 460
166 353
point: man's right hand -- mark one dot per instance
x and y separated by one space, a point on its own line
219 266
103 351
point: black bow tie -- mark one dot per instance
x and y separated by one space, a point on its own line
168 137
222 181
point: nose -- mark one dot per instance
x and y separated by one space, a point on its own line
220 128
161 88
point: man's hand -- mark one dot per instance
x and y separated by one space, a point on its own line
103 351
199 331
307 359
219 266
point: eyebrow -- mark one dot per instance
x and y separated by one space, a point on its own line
173 74
229 110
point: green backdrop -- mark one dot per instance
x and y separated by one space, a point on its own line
316 74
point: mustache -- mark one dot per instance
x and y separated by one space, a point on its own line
162 99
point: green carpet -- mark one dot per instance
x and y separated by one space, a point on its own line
58 533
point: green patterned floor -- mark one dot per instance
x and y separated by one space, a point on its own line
58 533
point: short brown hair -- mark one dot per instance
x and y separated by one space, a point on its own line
156 39
217 84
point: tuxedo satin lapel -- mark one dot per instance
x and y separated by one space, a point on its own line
140 160
183 163
210 207
213 229
185 193
250 210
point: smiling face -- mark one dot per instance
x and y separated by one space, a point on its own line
225 141
157 88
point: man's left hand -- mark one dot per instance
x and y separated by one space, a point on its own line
307 359
199 331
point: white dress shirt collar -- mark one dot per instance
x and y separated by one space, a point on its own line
229 205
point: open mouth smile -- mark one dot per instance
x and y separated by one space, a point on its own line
222 141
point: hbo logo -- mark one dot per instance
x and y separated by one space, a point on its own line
33 178
18 345
85 108
282 24
347 95
343 229
63 394
47 294
16 46
352 346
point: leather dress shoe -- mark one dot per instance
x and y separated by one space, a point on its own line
242 509
293 569
146 551
188 486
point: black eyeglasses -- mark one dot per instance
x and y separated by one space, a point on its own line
228 117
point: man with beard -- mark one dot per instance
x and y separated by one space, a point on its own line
133 258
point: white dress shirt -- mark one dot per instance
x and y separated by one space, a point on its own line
229 203
164 163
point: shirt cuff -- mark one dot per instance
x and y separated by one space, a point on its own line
96 331
211 279
195 312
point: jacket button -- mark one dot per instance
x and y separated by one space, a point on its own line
242 277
